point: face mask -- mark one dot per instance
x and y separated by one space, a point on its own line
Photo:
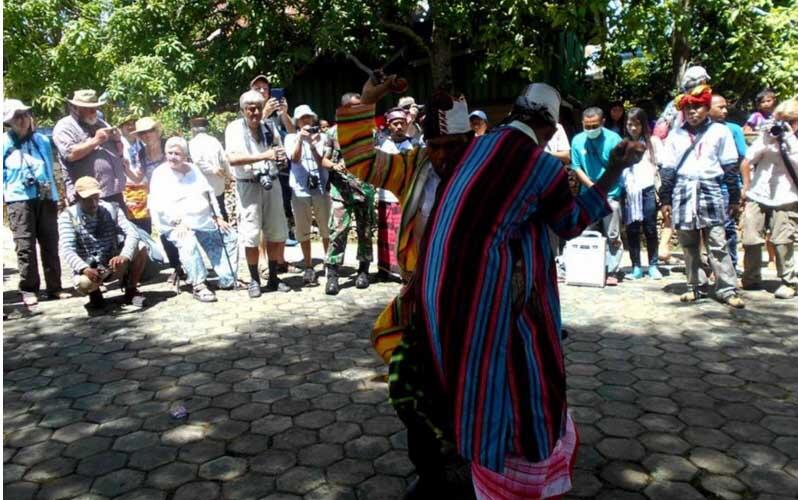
593 133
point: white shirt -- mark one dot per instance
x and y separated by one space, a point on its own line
307 165
558 142
238 140
208 156
187 197
771 184
643 174
715 149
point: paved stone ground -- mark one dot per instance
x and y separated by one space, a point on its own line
286 399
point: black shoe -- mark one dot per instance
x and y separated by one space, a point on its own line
332 287
96 301
386 277
362 280
254 289
277 285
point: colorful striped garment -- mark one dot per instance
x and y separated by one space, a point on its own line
488 300
403 174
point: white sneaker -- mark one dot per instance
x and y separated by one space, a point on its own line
785 292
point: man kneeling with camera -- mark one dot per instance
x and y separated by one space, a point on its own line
98 243
308 181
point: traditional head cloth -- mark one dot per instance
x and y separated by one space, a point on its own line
542 99
395 114
446 115
702 95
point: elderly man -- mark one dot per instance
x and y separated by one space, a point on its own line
90 245
590 155
252 149
487 337
185 209
413 131
88 146
208 156
310 195
698 156
772 201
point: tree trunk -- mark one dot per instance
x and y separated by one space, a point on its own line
440 52
680 43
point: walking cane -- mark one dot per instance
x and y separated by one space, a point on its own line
224 247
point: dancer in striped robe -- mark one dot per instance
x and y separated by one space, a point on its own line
488 334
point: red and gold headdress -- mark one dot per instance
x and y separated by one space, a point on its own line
700 94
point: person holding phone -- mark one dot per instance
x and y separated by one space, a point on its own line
88 146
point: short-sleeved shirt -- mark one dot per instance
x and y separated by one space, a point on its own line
771 184
591 156
104 163
301 170
758 120
31 158
208 155
739 138
238 140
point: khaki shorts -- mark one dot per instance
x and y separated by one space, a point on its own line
304 208
260 210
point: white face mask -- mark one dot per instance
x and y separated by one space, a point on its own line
593 133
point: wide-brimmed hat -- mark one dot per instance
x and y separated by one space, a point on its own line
11 107
145 124
87 186
86 98
303 110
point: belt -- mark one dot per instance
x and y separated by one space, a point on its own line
251 181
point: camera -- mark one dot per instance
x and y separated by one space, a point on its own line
313 182
30 181
265 180
778 129
314 129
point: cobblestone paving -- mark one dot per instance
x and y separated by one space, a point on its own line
286 400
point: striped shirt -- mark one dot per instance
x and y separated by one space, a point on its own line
694 191
489 304
84 237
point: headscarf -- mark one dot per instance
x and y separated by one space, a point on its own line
701 95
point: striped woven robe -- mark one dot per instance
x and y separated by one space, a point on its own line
488 297
404 175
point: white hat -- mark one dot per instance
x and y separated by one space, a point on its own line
11 107
406 101
541 97
86 98
479 114
303 110
694 75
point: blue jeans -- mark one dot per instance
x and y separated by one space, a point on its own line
191 258
730 226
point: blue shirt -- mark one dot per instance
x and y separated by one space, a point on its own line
591 156
739 138
34 157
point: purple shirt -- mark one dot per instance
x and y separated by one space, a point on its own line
104 163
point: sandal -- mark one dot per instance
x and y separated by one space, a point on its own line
135 298
204 294
29 299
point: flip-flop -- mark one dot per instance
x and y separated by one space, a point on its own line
29 299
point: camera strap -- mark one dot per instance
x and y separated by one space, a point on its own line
788 164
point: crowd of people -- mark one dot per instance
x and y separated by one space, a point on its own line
470 219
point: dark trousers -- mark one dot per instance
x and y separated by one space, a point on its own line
730 227
172 254
36 221
222 208
285 186
648 226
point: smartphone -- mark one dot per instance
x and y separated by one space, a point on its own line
278 93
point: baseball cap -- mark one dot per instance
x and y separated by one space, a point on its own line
479 114
87 186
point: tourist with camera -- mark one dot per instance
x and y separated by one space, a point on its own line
252 151
310 194
31 197
771 196
88 146
99 243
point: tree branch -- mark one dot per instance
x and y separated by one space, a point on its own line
408 32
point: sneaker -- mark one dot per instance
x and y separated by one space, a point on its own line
734 301
277 285
135 298
636 274
612 280
30 299
654 273
332 287
785 292
253 289
309 278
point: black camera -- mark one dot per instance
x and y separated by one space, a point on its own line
30 181
313 130
313 182
778 129
265 180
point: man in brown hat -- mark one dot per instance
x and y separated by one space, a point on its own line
90 245
88 146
